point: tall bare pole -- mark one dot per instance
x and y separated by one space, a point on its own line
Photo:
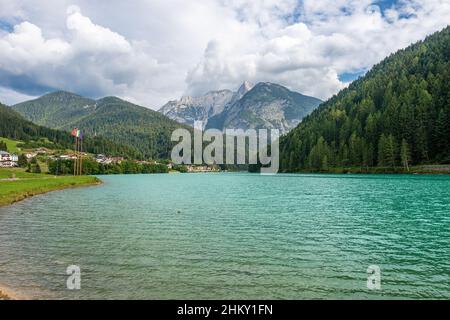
76 157
81 156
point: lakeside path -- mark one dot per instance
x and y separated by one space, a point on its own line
17 185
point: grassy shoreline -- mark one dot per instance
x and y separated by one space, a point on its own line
17 185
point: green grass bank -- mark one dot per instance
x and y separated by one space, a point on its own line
16 184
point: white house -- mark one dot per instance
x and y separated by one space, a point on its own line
5 156
68 157
8 160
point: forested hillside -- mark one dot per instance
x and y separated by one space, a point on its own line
126 123
14 126
120 121
396 115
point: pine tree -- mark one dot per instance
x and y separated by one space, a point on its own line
368 160
387 154
324 163
292 161
391 151
22 162
344 156
404 154
319 155
355 150
382 147
441 135
3 146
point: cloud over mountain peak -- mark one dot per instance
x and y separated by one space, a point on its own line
152 52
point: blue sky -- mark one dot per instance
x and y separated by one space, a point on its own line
351 76
6 26
385 4
154 51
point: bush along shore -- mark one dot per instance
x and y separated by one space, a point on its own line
16 184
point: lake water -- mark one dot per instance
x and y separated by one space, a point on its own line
241 236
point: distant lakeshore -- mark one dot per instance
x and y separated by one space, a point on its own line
420 169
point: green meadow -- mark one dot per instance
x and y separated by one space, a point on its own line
11 145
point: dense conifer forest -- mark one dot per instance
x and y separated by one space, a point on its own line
398 114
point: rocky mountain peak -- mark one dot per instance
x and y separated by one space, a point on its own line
244 88
264 105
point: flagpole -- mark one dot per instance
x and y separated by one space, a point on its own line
78 157
78 154
76 147
75 160
81 156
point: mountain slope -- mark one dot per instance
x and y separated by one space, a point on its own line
14 126
398 114
266 105
56 109
189 109
120 121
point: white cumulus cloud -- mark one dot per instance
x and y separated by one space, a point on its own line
154 51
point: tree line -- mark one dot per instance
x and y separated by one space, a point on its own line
91 167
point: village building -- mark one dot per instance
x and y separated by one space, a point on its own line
101 158
30 155
68 157
199 169
42 150
8 160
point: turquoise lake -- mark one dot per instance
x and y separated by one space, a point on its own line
233 236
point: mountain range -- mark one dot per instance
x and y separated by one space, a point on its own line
148 132
265 105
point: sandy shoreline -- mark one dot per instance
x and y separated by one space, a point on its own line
7 293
